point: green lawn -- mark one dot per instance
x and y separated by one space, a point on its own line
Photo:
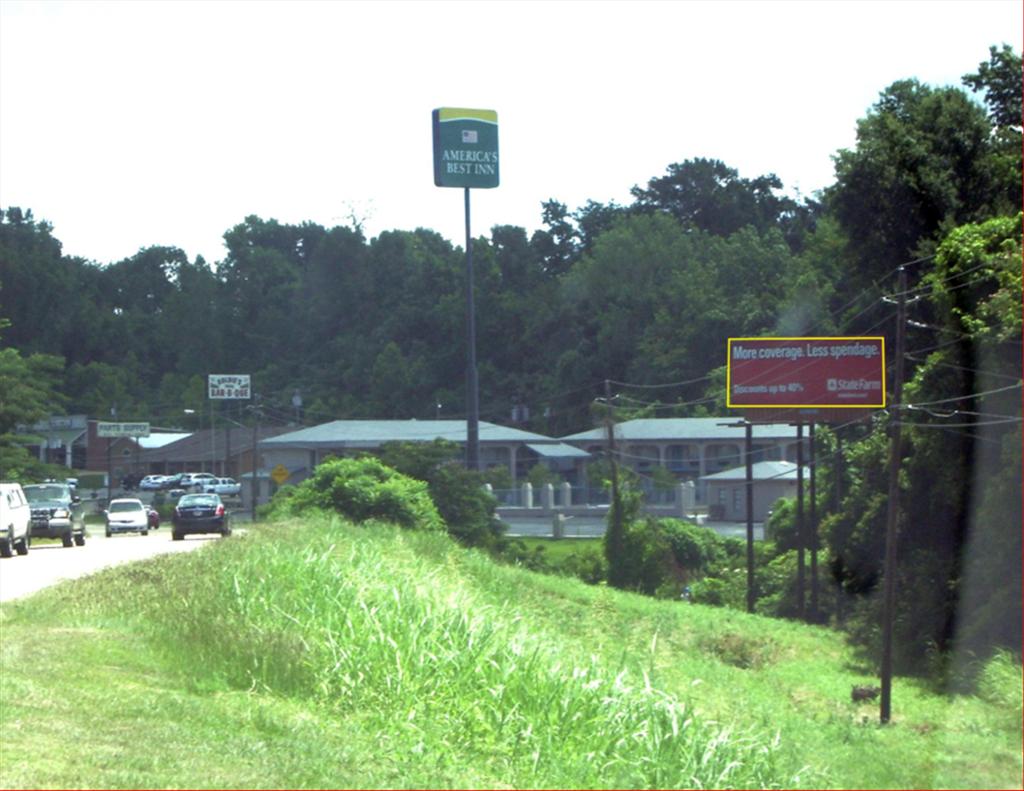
325 655
557 551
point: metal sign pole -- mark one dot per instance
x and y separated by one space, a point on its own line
472 382
466 156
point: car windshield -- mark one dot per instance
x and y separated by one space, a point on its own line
199 499
36 493
125 506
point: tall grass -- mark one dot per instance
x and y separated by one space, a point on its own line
365 620
443 669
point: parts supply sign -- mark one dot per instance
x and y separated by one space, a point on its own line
806 372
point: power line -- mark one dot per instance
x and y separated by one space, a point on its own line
656 386
962 368
961 398
976 424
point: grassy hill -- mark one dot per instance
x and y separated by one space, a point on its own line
319 654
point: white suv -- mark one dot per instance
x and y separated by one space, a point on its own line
15 518
195 481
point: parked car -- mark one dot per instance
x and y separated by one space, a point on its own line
154 517
15 518
194 481
126 515
56 513
151 483
171 481
200 513
225 487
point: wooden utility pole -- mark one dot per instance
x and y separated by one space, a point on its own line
255 464
749 454
892 517
801 542
813 542
615 539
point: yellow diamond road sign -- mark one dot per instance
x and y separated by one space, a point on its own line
280 474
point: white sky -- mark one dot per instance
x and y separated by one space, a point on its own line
130 124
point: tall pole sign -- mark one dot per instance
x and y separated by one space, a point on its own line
466 156
225 387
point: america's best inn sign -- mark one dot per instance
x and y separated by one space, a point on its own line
465 148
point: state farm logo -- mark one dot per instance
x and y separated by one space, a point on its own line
852 388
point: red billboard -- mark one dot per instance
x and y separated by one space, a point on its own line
806 373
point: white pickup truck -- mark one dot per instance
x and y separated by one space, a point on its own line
225 487
15 518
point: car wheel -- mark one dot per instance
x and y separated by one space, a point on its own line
22 546
7 545
145 532
176 536
107 532
80 540
66 540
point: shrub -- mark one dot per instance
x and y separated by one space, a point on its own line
587 564
517 553
720 592
777 586
695 549
463 503
781 526
1000 682
363 489
539 476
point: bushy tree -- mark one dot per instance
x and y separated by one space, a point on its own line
462 502
363 489
922 165
28 392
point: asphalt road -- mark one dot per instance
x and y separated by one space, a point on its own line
47 564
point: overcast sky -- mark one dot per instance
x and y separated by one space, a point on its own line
130 124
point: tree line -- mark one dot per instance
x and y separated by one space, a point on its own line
643 294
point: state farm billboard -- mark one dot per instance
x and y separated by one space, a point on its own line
806 372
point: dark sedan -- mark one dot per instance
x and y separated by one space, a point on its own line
199 513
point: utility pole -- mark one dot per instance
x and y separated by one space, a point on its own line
255 462
813 542
227 447
838 477
801 561
110 467
749 454
892 516
615 541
